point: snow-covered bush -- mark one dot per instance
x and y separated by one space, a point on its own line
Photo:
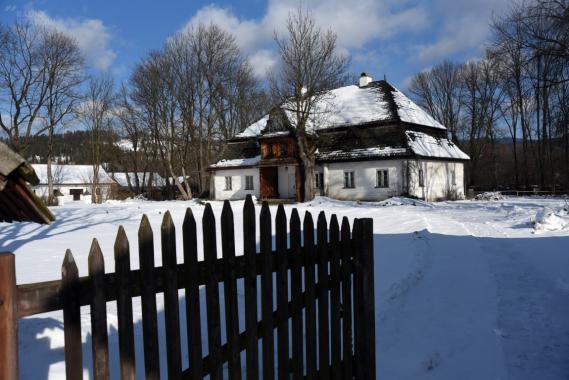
490 196
547 220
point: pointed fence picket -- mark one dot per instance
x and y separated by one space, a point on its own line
317 296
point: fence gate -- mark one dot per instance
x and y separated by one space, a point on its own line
323 311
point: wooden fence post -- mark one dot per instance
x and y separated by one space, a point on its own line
8 317
365 351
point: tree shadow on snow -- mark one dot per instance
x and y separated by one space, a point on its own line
445 306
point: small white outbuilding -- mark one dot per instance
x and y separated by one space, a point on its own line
73 183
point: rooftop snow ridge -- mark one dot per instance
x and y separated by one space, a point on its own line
353 105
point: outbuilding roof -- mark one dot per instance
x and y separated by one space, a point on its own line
149 178
71 174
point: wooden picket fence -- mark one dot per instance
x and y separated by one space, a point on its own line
330 304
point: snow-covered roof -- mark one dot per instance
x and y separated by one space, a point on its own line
361 153
237 162
71 174
410 112
121 178
255 129
354 105
425 145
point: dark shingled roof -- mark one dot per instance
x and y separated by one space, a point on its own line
370 122
236 149
17 202
354 142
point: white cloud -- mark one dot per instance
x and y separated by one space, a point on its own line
464 26
364 27
10 8
355 22
92 36
262 62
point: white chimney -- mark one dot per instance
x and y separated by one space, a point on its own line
365 80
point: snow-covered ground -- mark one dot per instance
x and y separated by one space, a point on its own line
465 290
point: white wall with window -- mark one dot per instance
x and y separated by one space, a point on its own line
436 180
361 180
236 183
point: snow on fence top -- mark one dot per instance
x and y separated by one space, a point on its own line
426 145
353 105
71 174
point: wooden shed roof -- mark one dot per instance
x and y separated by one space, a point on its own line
17 202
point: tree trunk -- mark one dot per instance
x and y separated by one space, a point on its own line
50 194
306 154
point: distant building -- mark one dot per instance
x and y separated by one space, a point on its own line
146 180
17 201
373 143
73 183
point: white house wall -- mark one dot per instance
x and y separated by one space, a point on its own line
237 183
365 177
437 179
42 191
286 181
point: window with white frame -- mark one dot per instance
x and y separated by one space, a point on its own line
453 177
421 178
382 178
349 180
318 180
248 182
228 183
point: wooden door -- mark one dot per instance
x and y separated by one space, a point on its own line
269 182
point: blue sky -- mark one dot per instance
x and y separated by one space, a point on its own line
396 38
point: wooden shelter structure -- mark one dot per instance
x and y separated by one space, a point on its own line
17 202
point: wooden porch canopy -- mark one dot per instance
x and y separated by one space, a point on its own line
17 202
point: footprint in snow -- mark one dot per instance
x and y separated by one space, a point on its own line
433 362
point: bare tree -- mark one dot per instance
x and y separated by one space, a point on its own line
310 66
438 91
23 83
63 62
96 112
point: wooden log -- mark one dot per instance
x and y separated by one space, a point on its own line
267 293
71 318
250 284
8 317
148 300
366 307
347 307
124 307
296 294
100 339
171 306
230 291
310 286
323 301
282 295
192 290
212 294
335 323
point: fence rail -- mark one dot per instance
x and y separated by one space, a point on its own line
325 318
